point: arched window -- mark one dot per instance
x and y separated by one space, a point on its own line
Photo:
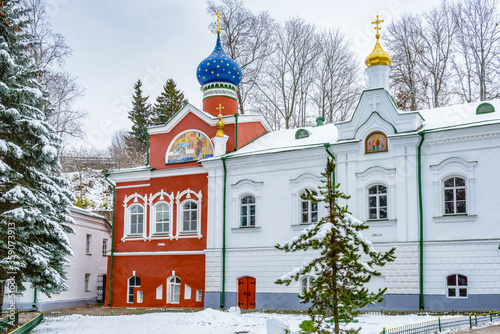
377 202
305 283
189 217
133 282
247 211
456 286
136 219
454 196
162 218
309 210
173 290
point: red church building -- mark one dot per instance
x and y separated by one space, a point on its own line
160 224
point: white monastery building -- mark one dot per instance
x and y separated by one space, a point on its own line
423 181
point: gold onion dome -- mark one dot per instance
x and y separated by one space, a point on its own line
378 56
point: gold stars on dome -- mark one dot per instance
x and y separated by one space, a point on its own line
220 123
378 56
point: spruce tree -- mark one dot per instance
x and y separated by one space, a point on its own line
140 115
345 262
170 101
34 202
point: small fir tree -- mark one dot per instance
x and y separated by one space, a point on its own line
140 115
340 270
170 101
34 202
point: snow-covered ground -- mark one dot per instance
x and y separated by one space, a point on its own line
204 322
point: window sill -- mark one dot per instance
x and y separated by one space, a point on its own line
89 254
381 222
301 226
246 229
455 219
189 233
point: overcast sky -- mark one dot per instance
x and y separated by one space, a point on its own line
117 42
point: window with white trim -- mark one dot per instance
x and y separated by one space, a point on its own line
309 210
199 295
454 196
104 246
377 202
305 284
133 282
247 211
456 286
189 217
136 220
161 218
173 290
88 244
87 283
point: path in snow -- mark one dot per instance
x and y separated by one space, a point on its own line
207 321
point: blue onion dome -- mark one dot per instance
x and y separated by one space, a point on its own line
218 67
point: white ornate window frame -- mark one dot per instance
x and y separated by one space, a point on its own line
454 167
164 198
181 198
376 176
171 286
241 189
137 200
299 184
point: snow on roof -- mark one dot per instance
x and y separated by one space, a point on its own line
285 140
459 115
85 212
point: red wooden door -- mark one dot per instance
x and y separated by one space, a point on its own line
246 292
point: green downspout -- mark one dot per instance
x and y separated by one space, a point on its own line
327 146
421 214
223 235
236 127
34 299
112 242
145 131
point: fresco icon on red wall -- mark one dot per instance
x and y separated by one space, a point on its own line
190 145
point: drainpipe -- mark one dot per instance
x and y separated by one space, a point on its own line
34 299
236 127
112 240
421 211
327 148
222 302
145 131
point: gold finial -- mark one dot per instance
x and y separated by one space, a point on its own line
377 21
378 56
219 16
220 127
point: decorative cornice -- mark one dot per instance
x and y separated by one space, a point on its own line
275 161
462 139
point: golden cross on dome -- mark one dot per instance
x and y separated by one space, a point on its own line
377 21
219 16
219 108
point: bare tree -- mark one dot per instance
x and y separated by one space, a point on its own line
290 71
126 150
437 32
337 73
478 49
49 53
406 46
247 38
